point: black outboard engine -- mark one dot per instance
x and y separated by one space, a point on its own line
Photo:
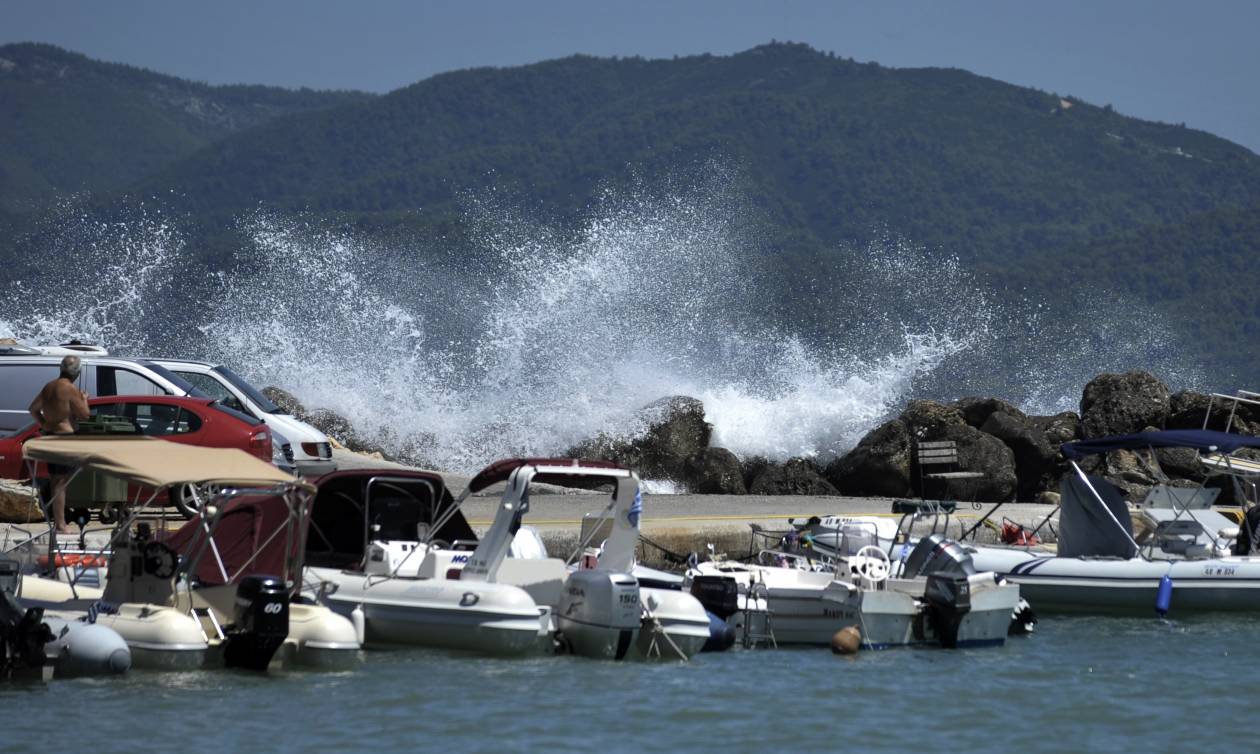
948 598
936 554
718 594
260 622
23 632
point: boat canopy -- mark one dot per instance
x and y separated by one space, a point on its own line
246 541
1199 439
158 463
568 472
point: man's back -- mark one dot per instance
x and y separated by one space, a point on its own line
58 404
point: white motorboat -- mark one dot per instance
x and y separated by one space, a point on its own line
934 596
419 576
169 616
1184 556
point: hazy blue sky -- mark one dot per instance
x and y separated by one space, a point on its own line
1170 60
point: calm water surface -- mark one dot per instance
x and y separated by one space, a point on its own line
1080 684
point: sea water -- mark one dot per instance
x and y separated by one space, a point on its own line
1077 684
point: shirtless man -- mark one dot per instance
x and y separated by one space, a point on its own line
57 408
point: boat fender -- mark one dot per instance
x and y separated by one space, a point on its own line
1163 597
359 620
721 635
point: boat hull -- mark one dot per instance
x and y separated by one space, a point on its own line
496 619
1115 586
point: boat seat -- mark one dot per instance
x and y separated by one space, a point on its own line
1231 464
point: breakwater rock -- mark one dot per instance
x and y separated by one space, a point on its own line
1013 455
17 503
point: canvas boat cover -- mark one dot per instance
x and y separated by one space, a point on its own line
247 526
157 463
1085 529
1203 440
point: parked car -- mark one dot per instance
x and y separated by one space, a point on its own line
312 453
24 370
189 420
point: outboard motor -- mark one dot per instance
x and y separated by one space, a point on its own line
936 554
260 622
720 597
599 614
948 598
718 594
23 632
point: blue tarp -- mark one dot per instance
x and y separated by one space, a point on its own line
1199 439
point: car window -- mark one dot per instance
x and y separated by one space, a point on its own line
159 419
120 381
212 388
19 384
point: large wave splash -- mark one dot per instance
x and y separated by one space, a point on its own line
98 281
547 337
532 337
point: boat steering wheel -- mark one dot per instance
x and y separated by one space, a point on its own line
873 564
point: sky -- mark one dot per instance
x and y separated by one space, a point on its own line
1166 60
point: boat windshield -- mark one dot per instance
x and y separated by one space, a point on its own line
263 403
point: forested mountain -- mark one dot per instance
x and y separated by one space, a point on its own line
1033 188
69 123
830 148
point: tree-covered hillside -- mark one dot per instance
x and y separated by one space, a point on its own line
1041 192
831 149
69 123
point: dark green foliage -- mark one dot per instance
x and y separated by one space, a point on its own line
1037 190
68 123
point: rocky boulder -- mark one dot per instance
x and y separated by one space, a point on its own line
713 471
1034 455
1188 408
979 452
675 431
751 468
1117 404
927 419
17 503
797 476
1060 428
286 401
879 466
976 411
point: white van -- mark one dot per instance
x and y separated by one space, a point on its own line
312 453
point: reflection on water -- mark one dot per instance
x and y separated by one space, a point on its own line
1080 683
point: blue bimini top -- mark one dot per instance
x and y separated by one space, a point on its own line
1199 439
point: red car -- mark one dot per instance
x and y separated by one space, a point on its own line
195 421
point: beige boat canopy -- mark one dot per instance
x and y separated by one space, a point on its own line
158 463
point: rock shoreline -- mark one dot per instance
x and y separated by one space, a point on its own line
1017 454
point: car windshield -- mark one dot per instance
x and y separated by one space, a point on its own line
176 380
261 401
251 421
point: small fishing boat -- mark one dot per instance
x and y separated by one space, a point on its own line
1184 556
158 596
419 575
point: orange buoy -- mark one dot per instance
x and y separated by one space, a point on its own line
846 641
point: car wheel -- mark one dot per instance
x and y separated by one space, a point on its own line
184 498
